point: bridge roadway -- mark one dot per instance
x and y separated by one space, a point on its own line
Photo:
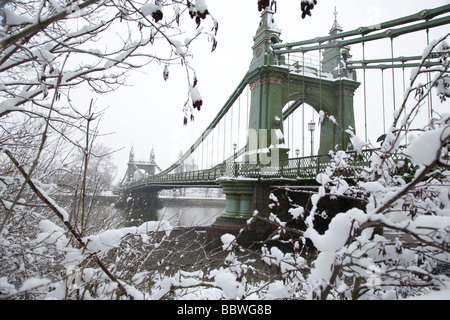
298 171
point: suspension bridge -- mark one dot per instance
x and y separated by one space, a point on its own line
258 139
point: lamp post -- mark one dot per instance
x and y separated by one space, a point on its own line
311 128
297 152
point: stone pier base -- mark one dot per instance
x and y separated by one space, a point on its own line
240 205
142 205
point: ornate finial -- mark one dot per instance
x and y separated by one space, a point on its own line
131 155
152 155
336 27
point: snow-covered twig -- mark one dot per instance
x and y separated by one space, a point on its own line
63 216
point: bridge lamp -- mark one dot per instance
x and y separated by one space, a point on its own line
311 128
297 152
234 160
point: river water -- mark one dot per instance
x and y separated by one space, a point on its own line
190 212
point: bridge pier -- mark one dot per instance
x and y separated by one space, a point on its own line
243 197
141 205
239 194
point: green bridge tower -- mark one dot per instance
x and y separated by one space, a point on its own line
276 81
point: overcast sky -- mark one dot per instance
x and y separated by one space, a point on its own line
148 113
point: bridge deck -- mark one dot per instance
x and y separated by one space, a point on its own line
296 170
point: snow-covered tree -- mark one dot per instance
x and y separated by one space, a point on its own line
48 50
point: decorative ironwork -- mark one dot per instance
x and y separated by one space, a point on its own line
296 169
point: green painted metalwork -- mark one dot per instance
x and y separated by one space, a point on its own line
268 40
389 63
275 82
279 75
295 170
149 167
362 34
239 198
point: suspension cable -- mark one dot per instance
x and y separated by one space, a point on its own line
384 110
393 71
224 134
203 154
404 89
320 82
231 129
365 93
218 142
429 98
248 107
303 108
212 145
239 123
289 138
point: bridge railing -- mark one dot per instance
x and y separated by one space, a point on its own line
305 168
208 175
300 63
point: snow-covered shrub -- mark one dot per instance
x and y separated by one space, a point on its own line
398 244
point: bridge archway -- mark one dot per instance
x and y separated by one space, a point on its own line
297 117
332 98
275 81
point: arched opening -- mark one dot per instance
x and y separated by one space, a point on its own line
301 130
